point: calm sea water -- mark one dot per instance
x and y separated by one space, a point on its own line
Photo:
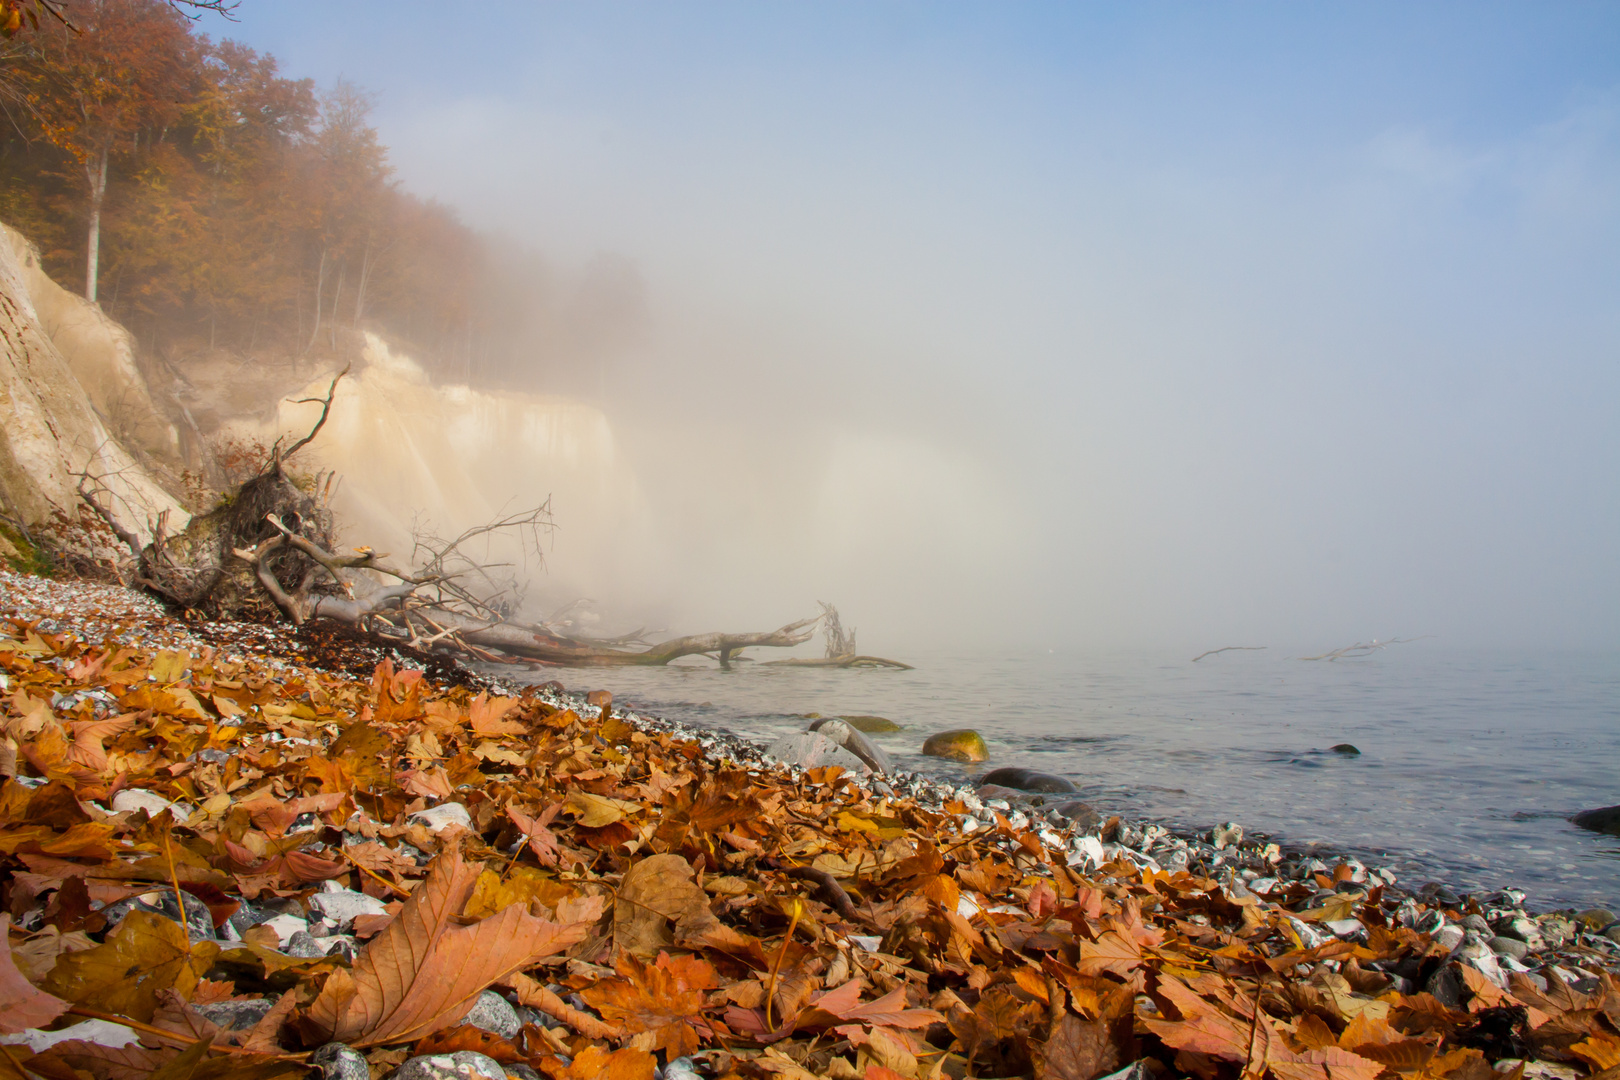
1470 762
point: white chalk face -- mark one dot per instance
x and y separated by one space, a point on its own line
1212 325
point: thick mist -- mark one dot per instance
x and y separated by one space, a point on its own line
1027 327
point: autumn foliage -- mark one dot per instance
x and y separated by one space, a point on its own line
236 208
646 903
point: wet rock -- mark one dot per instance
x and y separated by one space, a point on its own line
491 1012
339 1062
461 1065
1345 928
1605 819
1225 835
813 750
856 743
1595 919
599 699
341 906
1083 815
1522 928
1480 956
237 1015
438 818
1477 924
962 744
1346 749
1450 936
1029 780
872 725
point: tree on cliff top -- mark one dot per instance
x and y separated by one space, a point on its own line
103 81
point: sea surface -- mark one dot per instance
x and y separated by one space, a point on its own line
1470 762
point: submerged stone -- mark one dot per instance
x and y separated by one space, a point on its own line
1347 749
962 744
872 725
1029 780
1605 819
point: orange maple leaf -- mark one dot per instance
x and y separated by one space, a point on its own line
658 1002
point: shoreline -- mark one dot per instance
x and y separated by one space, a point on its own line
1347 930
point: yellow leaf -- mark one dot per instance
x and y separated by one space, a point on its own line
596 811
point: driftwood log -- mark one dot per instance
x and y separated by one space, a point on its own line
267 551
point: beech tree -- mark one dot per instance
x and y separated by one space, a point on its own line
104 80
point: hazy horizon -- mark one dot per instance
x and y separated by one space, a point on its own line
1041 326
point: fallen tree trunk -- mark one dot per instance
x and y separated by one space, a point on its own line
268 550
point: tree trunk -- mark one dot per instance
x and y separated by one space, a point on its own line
320 286
96 173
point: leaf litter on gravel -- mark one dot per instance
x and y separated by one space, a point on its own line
643 903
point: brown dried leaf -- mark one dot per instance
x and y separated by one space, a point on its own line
656 891
21 1005
423 970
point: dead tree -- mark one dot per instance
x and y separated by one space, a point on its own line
840 652
269 550
1362 648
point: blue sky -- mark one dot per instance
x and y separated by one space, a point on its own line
1133 322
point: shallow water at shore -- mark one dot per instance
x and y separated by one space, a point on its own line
1470 762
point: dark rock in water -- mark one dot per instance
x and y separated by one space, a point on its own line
872 725
853 741
1029 780
1605 819
1346 749
1085 818
962 744
338 1062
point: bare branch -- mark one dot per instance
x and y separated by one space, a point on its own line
1229 648
326 408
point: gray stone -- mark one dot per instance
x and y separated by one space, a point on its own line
856 743
1084 816
340 906
1476 923
199 923
494 1013
461 1065
236 1015
680 1069
1228 834
1030 780
1605 819
1506 946
338 1062
1136 1070
521 1071
303 946
438 818
813 750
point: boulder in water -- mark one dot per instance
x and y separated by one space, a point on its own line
962 744
872 725
853 741
1605 819
1346 749
1029 780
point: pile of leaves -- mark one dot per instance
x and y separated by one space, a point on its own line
642 904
